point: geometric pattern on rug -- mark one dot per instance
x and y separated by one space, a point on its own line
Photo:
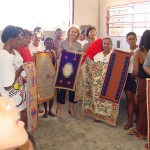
31 97
67 70
45 73
115 78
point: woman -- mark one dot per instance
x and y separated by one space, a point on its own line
11 81
58 38
91 104
82 37
130 86
105 54
23 48
139 58
49 46
91 35
70 44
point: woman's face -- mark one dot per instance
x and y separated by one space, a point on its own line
83 36
12 132
107 45
36 38
49 44
92 34
59 34
26 40
15 42
73 33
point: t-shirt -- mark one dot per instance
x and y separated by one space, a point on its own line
25 53
8 66
76 46
130 68
100 57
33 49
82 42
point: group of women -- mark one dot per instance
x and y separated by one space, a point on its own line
135 87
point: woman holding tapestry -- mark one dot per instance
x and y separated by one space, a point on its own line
70 44
49 46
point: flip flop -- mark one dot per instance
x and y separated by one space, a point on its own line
52 114
139 137
45 116
127 127
133 132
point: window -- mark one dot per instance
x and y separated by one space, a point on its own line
126 18
28 14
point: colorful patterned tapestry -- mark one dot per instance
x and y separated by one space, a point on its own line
45 73
80 84
95 75
116 76
92 106
31 96
148 109
68 69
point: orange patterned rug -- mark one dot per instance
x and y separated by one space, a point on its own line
116 76
45 73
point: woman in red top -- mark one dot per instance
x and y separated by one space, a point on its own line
23 48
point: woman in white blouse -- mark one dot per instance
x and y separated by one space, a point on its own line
105 54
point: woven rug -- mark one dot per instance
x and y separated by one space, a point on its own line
80 84
148 108
45 73
92 106
68 69
116 76
31 97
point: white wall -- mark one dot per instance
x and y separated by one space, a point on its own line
87 12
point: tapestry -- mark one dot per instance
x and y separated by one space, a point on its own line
45 72
31 96
92 105
68 70
80 84
148 108
116 76
95 74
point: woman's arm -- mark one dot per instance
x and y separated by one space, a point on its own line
136 62
17 74
146 65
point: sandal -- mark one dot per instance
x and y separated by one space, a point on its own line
52 114
45 116
97 121
133 132
127 126
139 137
